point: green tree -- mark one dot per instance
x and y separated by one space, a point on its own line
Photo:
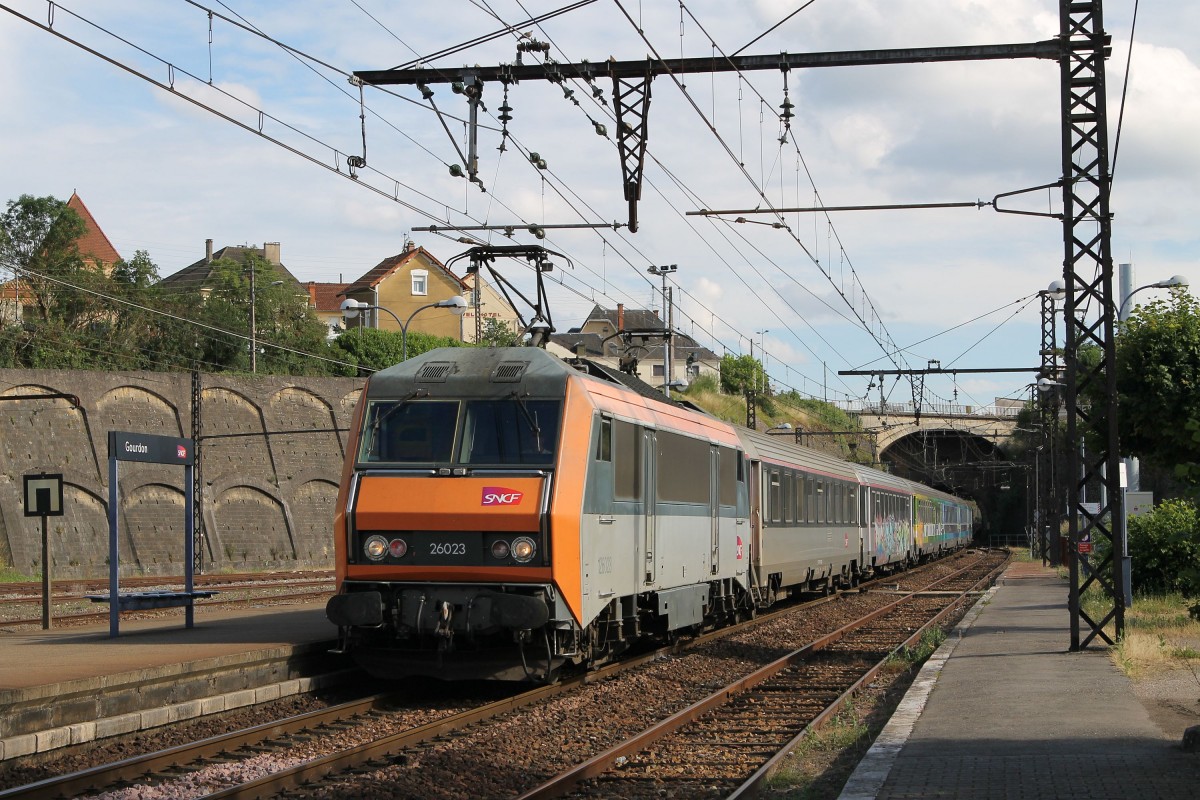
498 333
1158 381
39 242
739 373
373 349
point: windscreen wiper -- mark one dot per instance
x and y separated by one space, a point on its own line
416 394
531 419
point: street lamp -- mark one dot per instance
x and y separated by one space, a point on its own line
763 348
351 307
1051 369
1169 283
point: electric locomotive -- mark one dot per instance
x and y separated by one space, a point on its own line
503 513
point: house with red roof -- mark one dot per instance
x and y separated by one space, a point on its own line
16 298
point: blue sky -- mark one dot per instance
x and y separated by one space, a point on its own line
956 285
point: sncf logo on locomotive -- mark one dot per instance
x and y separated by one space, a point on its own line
499 496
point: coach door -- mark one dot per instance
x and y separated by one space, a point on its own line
650 501
756 517
714 507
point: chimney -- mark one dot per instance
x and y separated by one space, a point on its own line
271 252
409 245
208 251
312 294
620 316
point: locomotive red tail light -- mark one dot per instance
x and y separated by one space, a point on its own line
523 549
500 549
397 547
376 547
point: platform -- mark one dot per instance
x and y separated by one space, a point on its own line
1003 709
76 684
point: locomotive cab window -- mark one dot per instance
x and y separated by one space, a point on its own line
409 432
512 431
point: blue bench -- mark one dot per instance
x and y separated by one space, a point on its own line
139 601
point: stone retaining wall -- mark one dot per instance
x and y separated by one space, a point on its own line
270 456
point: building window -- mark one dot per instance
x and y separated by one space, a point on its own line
658 370
420 282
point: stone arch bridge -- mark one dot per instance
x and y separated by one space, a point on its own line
892 422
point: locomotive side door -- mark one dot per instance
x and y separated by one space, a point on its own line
650 500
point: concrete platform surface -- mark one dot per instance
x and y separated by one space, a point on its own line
70 686
60 655
1005 710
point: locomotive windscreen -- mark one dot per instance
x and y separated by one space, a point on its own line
513 431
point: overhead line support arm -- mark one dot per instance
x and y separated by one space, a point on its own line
632 79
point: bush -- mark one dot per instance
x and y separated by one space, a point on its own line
1165 549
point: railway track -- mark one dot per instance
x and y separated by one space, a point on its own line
240 590
597 722
728 744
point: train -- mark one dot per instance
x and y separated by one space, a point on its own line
507 514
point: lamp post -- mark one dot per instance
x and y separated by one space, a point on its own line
663 272
1132 466
763 348
1048 406
1169 283
351 307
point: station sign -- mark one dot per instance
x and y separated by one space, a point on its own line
150 448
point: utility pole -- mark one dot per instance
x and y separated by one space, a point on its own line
663 272
253 334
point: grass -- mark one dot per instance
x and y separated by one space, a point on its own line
907 657
798 777
1160 635
10 575
1022 554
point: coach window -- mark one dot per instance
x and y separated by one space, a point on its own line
604 440
852 505
773 496
798 490
785 491
810 498
820 501
627 439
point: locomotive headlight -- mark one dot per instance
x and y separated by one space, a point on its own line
376 547
397 547
523 549
500 549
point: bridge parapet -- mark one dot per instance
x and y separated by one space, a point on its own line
866 407
893 422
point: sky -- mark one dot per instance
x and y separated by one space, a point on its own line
955 285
